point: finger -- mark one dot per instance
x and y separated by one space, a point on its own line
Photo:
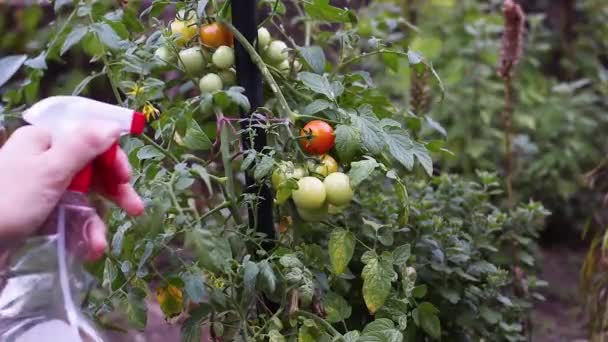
29 140
123 169
128 199
95 231
72 151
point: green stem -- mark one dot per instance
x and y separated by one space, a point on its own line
225 204
300 117
259 62
173 196
106 64
227 163
272 13
365 55
307 24
63 27
160 148
319 320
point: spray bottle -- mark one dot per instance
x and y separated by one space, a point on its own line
41 287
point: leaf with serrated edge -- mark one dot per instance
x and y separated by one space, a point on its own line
347 142
376 284
341 249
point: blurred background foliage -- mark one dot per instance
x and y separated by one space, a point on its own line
561 88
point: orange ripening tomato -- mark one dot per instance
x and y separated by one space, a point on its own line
317 137
215 35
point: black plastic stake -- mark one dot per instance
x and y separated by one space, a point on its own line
249 77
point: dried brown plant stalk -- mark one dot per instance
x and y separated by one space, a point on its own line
510 54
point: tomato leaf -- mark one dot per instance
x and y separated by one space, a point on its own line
402 254
109 274
419 291
314 57
9 65
38 62
285 189
236 95
59 4
361 170
489 315
250 274
191 328
382 329
149 152
377 277
73 38
372 136
195 138
351 336
194 287
317 83
403 149
267 278
425 316
263 167
171 300
341 249
336 307
322 10
135 308
107 35
316 106
347 142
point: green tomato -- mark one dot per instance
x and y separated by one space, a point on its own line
223 57
210 83
284 67
338 189
162 55
263 38
284 171
313 215
325 166
191 60
277 52
297 66
228 77
310 193
365 28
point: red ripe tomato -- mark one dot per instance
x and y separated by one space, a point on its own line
317 137
215 35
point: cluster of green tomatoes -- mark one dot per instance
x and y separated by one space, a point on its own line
206 52
321 188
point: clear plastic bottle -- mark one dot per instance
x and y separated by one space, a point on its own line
44 278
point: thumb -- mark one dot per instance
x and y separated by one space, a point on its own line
72 151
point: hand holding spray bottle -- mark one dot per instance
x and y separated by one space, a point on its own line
40 289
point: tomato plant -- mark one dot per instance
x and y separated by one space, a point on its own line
383 250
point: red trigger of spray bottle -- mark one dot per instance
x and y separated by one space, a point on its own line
61 113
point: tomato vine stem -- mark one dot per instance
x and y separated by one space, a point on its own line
319 320
227 163
259 62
